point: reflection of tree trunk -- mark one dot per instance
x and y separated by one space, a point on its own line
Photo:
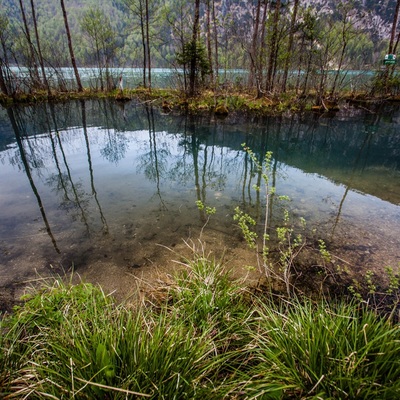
204 174
53 147
195 154
29 175
94 192
153 151
74 190
348 186
245 174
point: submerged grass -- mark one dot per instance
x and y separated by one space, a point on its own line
209 338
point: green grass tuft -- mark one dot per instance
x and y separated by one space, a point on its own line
208 339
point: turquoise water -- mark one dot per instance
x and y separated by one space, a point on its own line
171 78
86 183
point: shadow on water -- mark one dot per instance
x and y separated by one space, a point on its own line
110 182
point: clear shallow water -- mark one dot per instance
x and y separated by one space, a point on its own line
102 185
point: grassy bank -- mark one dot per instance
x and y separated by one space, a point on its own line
206 336
220 102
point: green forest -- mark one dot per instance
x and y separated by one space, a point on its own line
282 45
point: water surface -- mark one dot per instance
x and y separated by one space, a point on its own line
108 187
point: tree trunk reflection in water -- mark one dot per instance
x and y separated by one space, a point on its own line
94 191
154 159
24 160
77 202
365 144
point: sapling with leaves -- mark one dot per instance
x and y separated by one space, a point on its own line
289 243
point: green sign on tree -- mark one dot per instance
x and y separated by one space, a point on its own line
390 59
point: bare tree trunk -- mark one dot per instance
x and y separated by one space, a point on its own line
340 65
71 50
209 49
215 41
290 45
261 58
5 84
393 46
394 27
41 62
148 43
254 48
322 82
396 44
273 49
142 29
35 78
193 58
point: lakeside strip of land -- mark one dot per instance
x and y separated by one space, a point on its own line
219 102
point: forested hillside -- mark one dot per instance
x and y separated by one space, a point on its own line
205 37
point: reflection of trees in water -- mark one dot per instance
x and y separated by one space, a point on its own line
115 148
356 166
89 157
199 159
116 144
74 194
208 159
73 197
154 163
15 121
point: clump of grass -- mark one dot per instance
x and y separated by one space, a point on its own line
323 350
205 293
72 341
209 339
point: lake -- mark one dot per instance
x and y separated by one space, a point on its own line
110 189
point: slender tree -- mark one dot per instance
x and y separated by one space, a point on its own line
39 49
255 44
307 49
290 44
394 28
142 10
101 36
4 63
33 68
147 19
209 47
346 32
392 44
194 55
216 60
70 47
273 45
